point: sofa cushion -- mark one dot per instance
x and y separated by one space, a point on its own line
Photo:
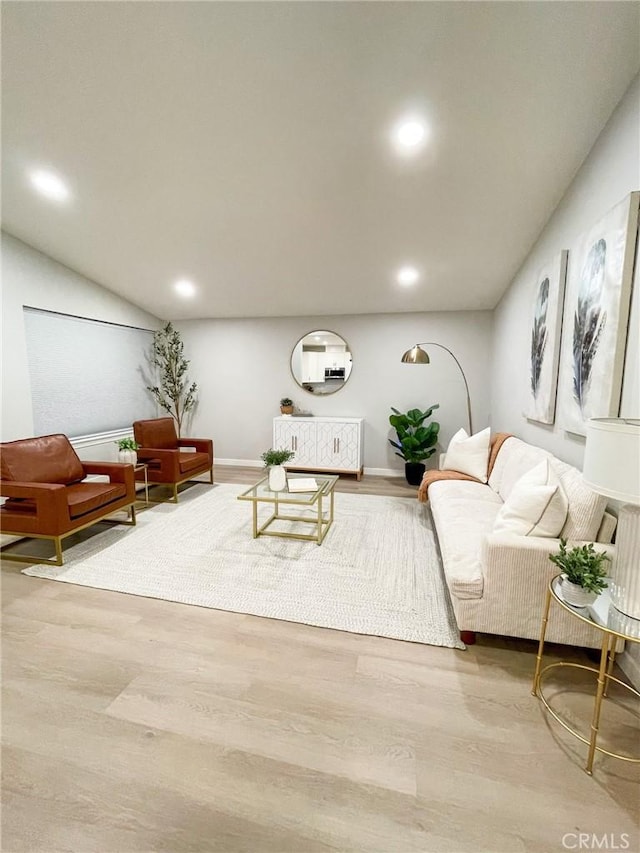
86 497
45 459
467 489
515 459
469 454
462 524
536 506
586 507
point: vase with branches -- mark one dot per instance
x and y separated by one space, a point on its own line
174 394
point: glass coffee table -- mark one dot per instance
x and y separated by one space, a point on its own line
302 508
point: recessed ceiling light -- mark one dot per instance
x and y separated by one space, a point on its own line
409 135
185 288
49 185
406 276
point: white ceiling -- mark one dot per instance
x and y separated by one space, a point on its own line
245 145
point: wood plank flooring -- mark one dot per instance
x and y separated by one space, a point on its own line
131 724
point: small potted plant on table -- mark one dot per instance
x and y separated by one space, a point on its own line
127 448
286 406
583 573
274 460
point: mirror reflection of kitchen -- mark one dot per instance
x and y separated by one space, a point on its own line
321 362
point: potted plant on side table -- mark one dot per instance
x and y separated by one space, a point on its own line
416 442
127 448
286 406
274 460
583 573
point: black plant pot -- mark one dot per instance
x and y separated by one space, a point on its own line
414 471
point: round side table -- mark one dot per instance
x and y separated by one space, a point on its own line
614 626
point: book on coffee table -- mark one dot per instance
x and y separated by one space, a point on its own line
302 484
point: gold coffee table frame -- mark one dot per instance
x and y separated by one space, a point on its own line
261 493
629 630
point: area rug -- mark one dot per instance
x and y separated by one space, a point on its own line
377 571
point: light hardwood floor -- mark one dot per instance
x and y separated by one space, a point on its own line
131 724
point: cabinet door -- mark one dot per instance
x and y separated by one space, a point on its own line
339 446
298 435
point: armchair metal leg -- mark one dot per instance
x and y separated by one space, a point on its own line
57 540
26 558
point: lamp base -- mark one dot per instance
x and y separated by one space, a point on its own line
625 576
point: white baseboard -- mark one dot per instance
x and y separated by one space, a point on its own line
384 472
243 463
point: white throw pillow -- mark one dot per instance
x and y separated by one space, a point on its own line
469 454
537 505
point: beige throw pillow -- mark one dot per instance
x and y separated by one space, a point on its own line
469 454
536 506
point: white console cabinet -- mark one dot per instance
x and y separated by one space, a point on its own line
321 444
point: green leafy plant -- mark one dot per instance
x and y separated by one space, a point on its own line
127 443
276 457
173 393
286 401
582 565
416 442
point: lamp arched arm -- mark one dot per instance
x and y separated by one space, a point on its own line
464 378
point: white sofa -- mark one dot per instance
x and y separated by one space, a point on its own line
498 582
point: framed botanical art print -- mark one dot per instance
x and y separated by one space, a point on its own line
597 313
544 340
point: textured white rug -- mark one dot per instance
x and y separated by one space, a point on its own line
377 571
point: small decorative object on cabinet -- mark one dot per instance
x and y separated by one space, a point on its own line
583 574
274 460
127 448
416 442
286 406
322 444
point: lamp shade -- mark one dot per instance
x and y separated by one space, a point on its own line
415 355
612 458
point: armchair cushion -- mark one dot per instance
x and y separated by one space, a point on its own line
189 461
157 432
45 459
85 497
81 498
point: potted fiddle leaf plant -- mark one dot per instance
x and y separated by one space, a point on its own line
274 460
286 406
583 573
416 442
127 448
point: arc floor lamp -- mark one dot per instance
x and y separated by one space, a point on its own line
416 355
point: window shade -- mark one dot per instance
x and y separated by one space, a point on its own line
87 376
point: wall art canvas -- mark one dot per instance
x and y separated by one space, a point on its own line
544 340
596 317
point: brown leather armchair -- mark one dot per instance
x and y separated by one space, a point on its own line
167 463
43 480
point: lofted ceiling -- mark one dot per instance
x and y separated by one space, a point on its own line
246 146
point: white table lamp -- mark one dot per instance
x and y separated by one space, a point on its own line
612 468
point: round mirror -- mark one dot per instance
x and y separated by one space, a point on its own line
321 362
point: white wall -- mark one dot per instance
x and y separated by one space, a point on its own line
242 368
31 278
610 172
